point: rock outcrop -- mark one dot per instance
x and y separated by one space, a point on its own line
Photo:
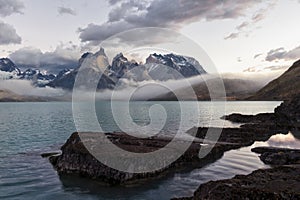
289 111
286 115
77 160
280 182
278 156
276 183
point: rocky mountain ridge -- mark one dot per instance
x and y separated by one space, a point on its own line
95 65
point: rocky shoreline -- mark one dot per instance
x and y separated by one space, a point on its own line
278 156
279 182
275 183
75 159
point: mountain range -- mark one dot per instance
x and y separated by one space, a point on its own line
157 67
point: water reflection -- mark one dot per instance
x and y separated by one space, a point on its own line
284 141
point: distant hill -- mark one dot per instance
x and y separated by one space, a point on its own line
236 89
283 88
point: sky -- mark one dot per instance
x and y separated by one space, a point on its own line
239 36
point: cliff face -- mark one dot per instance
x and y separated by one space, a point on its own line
284 87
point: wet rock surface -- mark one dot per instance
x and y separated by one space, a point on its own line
286 115
275 183
77 160
280 182
278 156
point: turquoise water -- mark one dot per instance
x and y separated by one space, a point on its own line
29 129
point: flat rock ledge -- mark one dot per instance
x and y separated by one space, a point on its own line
75 159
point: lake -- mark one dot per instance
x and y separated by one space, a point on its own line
29 129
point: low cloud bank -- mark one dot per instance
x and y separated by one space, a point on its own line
24 87
130 89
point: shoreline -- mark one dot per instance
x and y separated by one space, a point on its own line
255 128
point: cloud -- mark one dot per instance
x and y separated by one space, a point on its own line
256 17
65 55
260 77
242 25
24 87
251 69
232 36
257 55
66 11
282 54
113 2
161 13
9 7
8 34
275 68
145 90
259 16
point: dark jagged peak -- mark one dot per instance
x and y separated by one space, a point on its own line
63 73
118 62
84 56
186 66
7 65
120 65
36 74
37 77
